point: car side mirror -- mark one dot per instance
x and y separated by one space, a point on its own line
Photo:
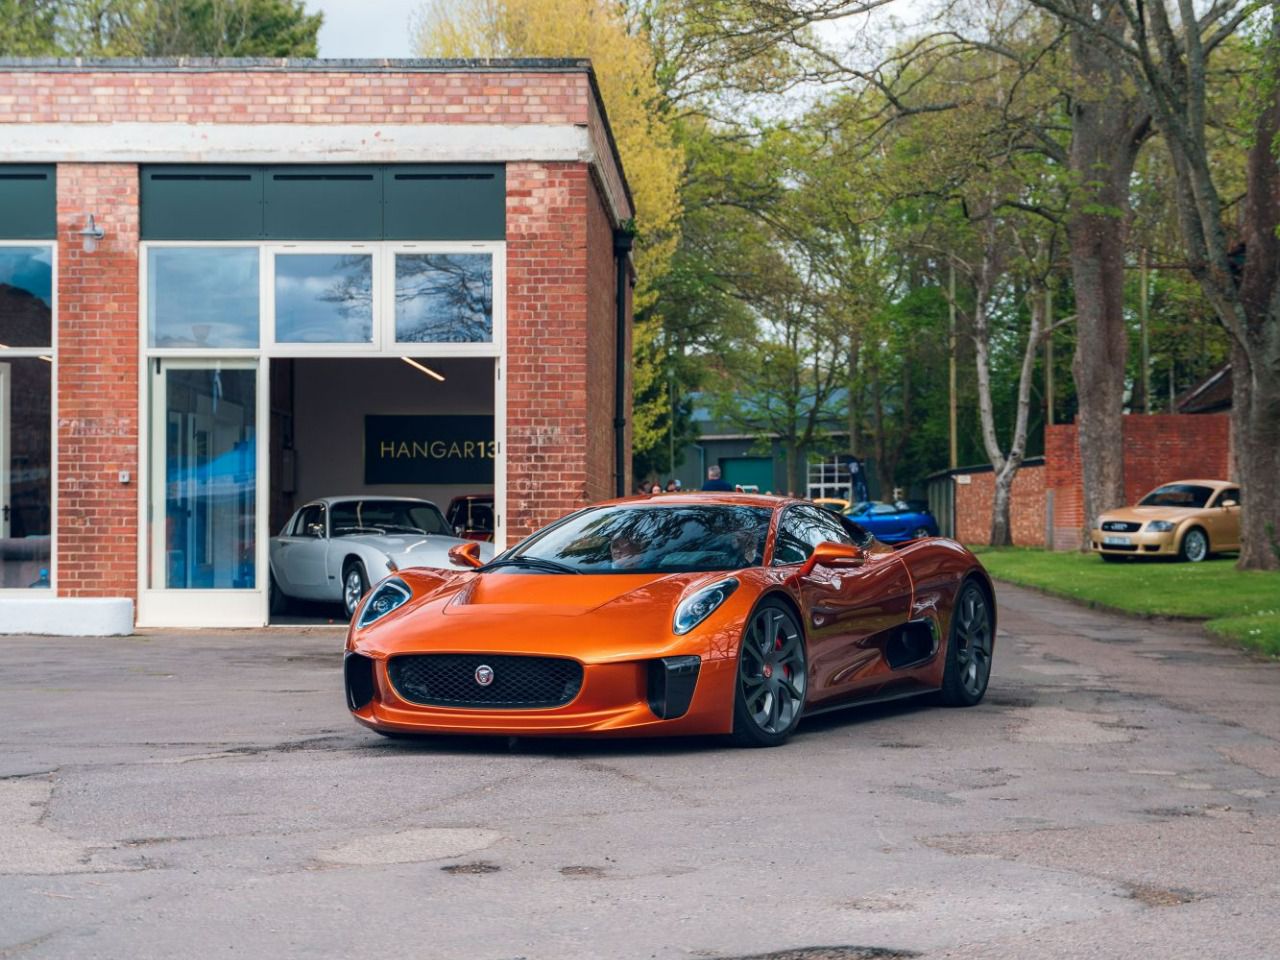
1229 503
466 555
315 530
832 554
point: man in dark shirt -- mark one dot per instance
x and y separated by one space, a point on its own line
714 481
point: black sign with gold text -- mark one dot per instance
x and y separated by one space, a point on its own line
428 449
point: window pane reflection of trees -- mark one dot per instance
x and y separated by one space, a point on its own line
444 298
324 298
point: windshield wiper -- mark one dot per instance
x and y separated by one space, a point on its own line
536 563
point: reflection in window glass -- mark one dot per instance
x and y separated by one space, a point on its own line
202 297
324 298
25 461
210 479
26 296
444 298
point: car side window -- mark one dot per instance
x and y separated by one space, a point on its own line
309 515
803 528
1230 494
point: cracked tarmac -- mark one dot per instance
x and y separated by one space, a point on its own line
202 794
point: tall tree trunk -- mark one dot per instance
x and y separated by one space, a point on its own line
1259 442
1107 129
854 409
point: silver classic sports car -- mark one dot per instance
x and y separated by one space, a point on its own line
332 549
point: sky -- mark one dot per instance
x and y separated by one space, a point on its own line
365 28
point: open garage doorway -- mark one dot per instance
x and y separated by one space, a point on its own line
349 437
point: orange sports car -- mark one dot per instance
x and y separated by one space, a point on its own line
681 614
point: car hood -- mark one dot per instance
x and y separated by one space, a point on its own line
568 595
1143 514
415 549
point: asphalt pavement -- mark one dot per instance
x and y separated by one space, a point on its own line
205 795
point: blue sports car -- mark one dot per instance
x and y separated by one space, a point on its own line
893 522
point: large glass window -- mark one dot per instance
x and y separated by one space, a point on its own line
324 297
26 296
444 297
203 297
26 459
209 477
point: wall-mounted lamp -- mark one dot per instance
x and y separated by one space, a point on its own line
427 370
92 233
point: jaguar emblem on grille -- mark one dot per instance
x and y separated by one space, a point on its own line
484 675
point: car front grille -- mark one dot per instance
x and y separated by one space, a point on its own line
1121 526
518 683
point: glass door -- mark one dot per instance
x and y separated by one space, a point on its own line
204 487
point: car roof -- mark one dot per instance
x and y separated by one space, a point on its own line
1199 483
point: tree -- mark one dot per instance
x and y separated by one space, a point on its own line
27 28
624 66
1165 53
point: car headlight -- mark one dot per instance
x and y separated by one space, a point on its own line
1160 526
696 607
387 596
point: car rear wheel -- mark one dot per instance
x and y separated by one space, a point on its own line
354 586
772 677
919 532
968 669
1195 545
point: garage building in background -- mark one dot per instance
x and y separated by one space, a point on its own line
229 287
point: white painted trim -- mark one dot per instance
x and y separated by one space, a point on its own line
66 616
300 142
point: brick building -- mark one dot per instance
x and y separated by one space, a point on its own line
1047 507
227 287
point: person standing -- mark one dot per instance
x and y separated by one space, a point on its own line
715 482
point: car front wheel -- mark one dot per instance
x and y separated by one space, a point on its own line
1195 545
968 666
354 586
772 677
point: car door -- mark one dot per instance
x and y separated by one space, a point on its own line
302 554
848 611
1224 521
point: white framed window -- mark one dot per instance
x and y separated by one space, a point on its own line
28 412
828 478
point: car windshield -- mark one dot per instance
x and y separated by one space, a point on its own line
680 538
1178 495
354 517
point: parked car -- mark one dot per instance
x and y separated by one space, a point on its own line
671 615
471 516
333 548
1188 519
893 522
834 504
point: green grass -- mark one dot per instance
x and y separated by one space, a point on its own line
1242 607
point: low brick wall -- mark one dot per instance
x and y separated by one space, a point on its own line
974 493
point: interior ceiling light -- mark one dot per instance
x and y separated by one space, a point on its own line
46 359
427 370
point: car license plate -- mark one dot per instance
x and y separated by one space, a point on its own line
1117 541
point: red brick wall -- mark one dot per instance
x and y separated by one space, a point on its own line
1158 449
547 411
1026 509
261 96
601 339
97 383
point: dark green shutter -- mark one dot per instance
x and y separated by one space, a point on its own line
201 203
330 202
28 202
446 202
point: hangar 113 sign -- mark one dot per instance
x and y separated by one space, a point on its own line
428 449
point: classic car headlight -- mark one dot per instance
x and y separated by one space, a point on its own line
696 607
387 596
1160 526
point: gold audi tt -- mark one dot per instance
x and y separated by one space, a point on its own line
1188 519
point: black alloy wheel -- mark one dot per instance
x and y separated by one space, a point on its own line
919 532
354 586
968 668
772 677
